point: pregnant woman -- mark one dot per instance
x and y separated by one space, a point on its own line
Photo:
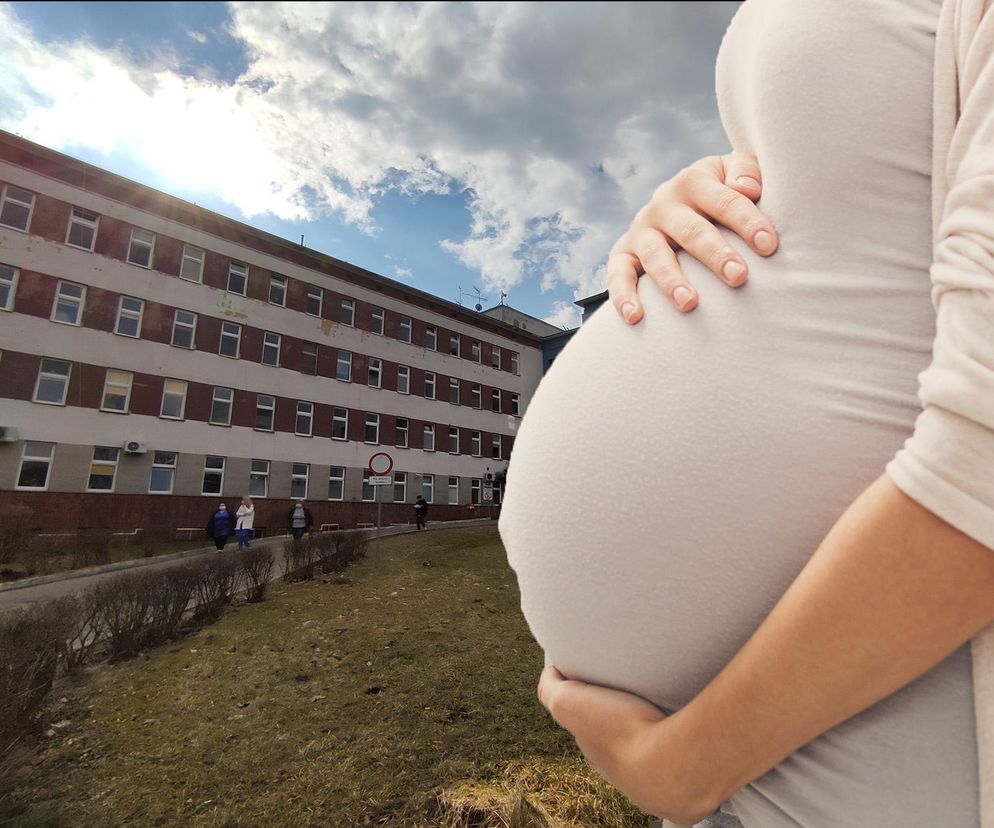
777 608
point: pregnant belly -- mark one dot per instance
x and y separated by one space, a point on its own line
670 480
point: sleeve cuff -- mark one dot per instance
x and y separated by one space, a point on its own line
947 466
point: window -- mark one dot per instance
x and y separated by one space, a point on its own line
429 437
173 400
184 329
103 469
117 391
265 410
453 491
348 313
495 452
402 426
495 356
336 483
343 369
514 363
400 487
453 391
35 463
305 419
368 490
82 230
298 480
259 479
271 349
192 267
453 440
431 338
16 207
476 395
476 443
231 340
8 286
129 316
429 385
160 481
405 329
315 300
309 358
213 475
377 320
373 428
221 406
375 372
515 405
403 379
68 307
277 290
476 351
340 424
475 490
53 382
454 345
140 249
495 400
428 487
237 278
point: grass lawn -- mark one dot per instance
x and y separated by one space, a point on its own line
404 696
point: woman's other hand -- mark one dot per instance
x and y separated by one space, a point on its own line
680 215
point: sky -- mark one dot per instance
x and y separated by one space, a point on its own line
455 147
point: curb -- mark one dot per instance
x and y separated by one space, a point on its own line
134 563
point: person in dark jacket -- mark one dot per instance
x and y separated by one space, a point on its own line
221 526
300 520
421 511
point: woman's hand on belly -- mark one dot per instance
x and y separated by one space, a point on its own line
620 736
679 215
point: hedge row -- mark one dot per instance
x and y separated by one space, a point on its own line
329 552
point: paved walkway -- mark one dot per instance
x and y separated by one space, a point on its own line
32 590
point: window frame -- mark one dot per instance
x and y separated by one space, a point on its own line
431 332
232 271
515 404
114 464
333 478
230 403
156 465
433 383
295 476
349 305
476 351
495 401
129 314
515 364
366 485
476 396
453 487
281 282
267 344
310 296
85 222
165 392
335 418
375 366
476 444
402 429
36 458
5 197
456 341
378 317
255 475
428 484
495 357
404 372
338 366
60 298
191 325
454 391
11 283
108 385
406 324
402 482
305 356
261 407
200 263
476 490
52 376
375 424
428 430
496 447
227 335
308 415
454 435
151 248
213 470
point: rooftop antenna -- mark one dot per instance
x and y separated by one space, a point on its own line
503 296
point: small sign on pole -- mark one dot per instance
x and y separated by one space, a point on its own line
379 480
380 466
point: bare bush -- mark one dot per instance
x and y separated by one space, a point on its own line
31 641
90 547
169 595
257 570
85 629
215 585
124 605
15 532
299 560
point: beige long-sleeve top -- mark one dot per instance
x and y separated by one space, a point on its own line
947 465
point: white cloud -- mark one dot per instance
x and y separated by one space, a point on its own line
405 274
200 37
558 120
564 315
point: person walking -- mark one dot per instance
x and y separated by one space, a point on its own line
221 526
421 512
246 521
300 520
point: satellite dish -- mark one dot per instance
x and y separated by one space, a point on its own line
479 307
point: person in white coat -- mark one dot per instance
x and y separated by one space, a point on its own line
246 518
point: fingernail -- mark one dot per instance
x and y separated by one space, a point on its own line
748 181
627 309
733 272
763 242
682 296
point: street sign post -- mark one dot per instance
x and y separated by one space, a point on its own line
380 466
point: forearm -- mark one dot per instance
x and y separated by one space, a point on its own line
889 593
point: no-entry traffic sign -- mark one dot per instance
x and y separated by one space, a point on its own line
381 463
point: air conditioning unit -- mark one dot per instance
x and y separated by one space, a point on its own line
8 434
488 477
134 447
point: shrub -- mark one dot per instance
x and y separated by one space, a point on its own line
299 559
169 595
91 547
85 629
124 605
15 532
257 570
31 641
215 585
